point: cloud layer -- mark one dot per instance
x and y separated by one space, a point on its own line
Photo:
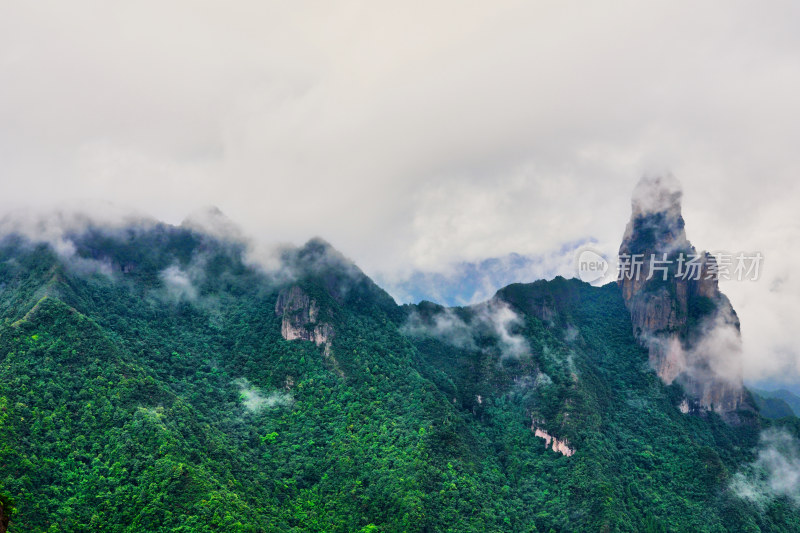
414 137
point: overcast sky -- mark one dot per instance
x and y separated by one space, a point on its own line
413 135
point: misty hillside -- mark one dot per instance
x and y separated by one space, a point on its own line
777 404
152 378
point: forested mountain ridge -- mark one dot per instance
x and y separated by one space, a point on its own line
153 378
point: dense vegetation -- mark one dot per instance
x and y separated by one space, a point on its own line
777 404
145 386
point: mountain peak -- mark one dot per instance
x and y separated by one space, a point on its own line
656 224
212 221
687 324
318 256
317 247
318 261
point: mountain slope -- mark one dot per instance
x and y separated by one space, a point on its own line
772 407
792 401
152 379
638 461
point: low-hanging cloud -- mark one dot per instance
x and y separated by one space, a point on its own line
494 318
59 226
660 193
713 353
445 325
178 285
775 473
505 321
719 348
474 139
254 400
82 266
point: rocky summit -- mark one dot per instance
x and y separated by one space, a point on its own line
677 310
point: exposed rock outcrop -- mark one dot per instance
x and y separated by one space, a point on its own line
301 320
677 310
558 445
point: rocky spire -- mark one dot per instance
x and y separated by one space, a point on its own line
677 310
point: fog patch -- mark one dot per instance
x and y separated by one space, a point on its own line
177 284
268 259
542 380
775 473
66 251
566 360
212 221
571 334
182 284
494 319
713 353
504 321
254 400
57 228
718 350
657 194
284 263
55 224
445 326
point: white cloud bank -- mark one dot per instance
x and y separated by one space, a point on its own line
415 135
775 473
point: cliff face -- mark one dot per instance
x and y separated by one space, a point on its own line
558 445
677 310
300 318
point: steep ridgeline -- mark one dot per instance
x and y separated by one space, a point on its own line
677 310
152 378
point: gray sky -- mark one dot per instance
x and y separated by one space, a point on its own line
411 135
